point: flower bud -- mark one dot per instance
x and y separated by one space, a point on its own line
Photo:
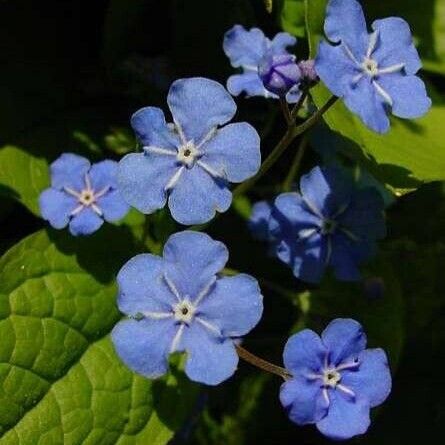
308 74
279 73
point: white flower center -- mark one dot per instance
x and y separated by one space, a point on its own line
87 197
370 67
331 377
184 311
187 154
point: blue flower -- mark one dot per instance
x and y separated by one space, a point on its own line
332 222
250 50
180 303
335 380
191 161
258 222
374 73
82 195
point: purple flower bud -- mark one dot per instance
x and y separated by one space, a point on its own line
279 73
308 74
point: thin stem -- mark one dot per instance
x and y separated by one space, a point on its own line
268 163
293 171
286 111
315 117
291 133
299 104
262 364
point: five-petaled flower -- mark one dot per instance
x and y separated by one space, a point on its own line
335 380
262 59
180 303
192 161
82 195
331 222
373 72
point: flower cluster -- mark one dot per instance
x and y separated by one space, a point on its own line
182 302
373 72
330 223
82 195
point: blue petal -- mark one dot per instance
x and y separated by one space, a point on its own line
198 105
210 359
364 101
326 190
348 254
373 378
395 45
142 286
304 353
345 22
234 306
309 261
152 130
343 337
408 93
334 68
113 206
56 207
234 151
103 174
364 216
294 94
249 83
292 207
244 47
281 41
85 222
69 170
303 400
259 220
346 418
142 179
144 345
192 261
197 196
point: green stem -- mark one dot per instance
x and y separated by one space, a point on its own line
291 133
293 171
286 111
299 104
262 364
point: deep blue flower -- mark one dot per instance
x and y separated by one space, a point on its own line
332 222
335 380
258 222
82 195
250 50
192 161
374 73
180 303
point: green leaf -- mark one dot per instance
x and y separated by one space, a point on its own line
292 17
411 153
22 176
60 380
